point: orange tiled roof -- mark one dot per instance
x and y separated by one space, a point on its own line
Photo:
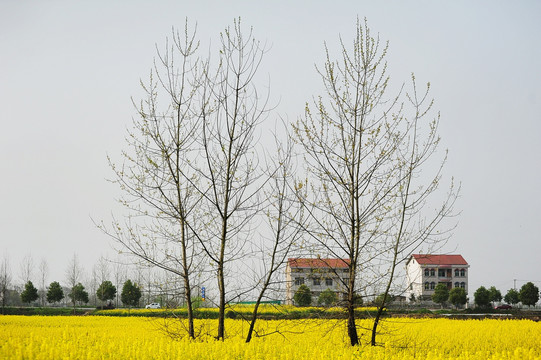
425 259
318 263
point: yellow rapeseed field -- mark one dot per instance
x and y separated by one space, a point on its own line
98 337
246 310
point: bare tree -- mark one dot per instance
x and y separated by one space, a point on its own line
360 150
156 176
410 225
283 216
44 275
192 171
5 281
74 275
26 268
100 272
231 110
119 275
147 282
137 273
103 270
93 285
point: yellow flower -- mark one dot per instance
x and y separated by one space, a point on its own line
100 337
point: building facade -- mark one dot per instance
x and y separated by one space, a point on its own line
425 272
318 274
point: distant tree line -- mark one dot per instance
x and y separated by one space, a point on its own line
130 296
100 289
527 295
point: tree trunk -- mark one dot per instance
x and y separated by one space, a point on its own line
253 320
376 322
188 294
221 312
256 307
186 277
352 328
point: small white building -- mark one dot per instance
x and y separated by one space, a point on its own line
318 274
424 272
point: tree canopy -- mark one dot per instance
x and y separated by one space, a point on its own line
327 298
457 296
481 297
511 297
494 294
303 296
441 294
78 294
106 291
55 292
30 293
131 293
529 294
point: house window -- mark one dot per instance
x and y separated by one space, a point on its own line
432 285
328 281
432 272
427 273
317 281
462 272
299 280
427 285
457 284
457 273
463 285
441 272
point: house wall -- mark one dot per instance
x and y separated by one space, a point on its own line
308 275
289 284
416 278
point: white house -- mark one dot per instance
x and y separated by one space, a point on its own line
318 274
424 272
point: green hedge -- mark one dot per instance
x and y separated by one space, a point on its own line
46 311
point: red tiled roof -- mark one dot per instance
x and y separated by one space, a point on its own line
318 263
425 259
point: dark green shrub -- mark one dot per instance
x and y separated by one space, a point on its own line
303 296
327 298
230 314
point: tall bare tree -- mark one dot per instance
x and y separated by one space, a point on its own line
43 277
119 276
93 285
410 225
159 183
231 110
74 275
26 268
103 270
193 171
283 215
100 273
5 281
360 150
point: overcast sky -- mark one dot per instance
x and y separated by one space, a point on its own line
69 68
